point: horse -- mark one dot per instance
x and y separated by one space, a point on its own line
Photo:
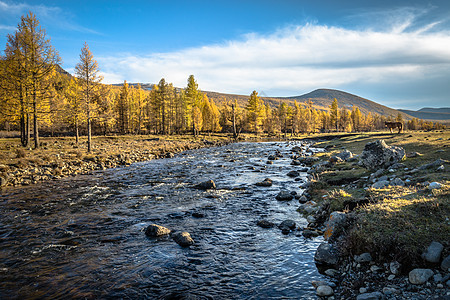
392 125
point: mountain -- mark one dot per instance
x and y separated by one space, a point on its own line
433 114
321 99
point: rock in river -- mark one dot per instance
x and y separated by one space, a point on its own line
420 276
265 224
154 230
183 239
206 185
284 196
266 182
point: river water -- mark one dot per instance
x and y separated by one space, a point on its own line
83 237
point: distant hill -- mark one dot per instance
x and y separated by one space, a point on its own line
321 99
434 114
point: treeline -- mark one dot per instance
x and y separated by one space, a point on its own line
36 95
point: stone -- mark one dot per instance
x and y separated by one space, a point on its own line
363 258
154 230
335 220
362 290
308 233
434 185
380 184
440 168
272 157
445 265
420 276
378 154
433 252
438 278
390 291
391 277
397 182
303 199
324 291
293 174
3 181
370 296
287 224
296 162
317 283
266 182
265 224
284 196
183 239
433 165
206 185
375 269
326 254
331 272
394 267
345 155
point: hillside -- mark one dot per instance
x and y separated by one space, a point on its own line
321 99
434 114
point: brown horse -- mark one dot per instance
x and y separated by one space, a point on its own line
392 125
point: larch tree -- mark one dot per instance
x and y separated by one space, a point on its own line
87 73
334 114
255 109
36 62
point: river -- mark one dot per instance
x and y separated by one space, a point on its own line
83 237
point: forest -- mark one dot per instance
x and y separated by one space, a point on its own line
37 97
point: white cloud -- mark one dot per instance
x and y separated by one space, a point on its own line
294 60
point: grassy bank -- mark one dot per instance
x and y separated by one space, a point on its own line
396 222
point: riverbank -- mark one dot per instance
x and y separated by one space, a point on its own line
61 157
380 223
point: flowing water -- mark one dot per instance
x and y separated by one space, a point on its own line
83 237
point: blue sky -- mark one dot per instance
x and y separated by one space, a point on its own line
396 53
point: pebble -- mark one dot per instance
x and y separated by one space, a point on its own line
391 277
324 291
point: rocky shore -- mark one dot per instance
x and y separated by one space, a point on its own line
344 192
59 158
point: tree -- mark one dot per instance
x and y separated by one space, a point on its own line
255 109
35 61
122 109
192 98
87 72
334 114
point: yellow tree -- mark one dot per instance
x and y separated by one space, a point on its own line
334 114
255 109
87 72
36 60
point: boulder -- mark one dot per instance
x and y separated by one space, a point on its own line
265 224
326 254
420 276
272 157
335 220
183 239
363 258
296 162
206 185
397 182
293 174
287 224
434 185
437 163
370 296
324 291
284 196
380 184
154 230
309 160
433 252
378 154
445 265
266 182
394 267
345 155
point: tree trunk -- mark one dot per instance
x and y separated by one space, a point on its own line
35 123
77 131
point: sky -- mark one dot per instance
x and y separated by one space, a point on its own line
396 53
